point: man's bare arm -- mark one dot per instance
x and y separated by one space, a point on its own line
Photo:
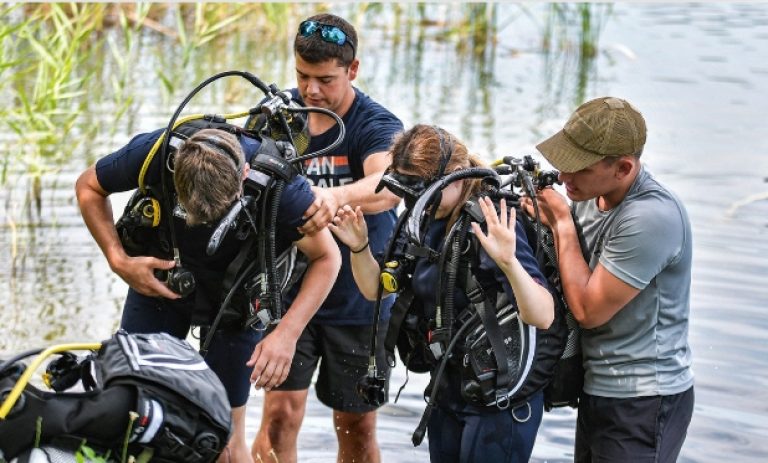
272 357
96 210
594 297
360 193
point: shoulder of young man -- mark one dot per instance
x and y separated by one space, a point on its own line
119 170
250 146
297 196
369 106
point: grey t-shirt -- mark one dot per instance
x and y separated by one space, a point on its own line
645 241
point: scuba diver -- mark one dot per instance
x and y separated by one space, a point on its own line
469 419
211 162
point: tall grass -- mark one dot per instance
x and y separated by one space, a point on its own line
570 40
48 85
58 60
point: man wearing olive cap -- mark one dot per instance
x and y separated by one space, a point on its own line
629 289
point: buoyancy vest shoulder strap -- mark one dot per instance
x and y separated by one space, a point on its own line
481 303
397 315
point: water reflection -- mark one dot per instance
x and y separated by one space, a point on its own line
696 71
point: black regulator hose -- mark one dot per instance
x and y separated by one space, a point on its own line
444 302
226 223
421 429
215 325
414 229
457 238
7 364
327 112
273 288
372 371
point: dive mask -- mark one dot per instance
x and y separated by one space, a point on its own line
408 187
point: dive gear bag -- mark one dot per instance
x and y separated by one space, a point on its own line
144 393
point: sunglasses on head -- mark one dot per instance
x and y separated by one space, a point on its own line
328 33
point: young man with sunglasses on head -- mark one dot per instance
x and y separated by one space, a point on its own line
325 50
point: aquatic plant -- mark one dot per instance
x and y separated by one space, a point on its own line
570 39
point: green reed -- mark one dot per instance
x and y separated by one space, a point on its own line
47 85
57 61
571 39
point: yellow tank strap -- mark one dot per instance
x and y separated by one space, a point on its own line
159 142
13 396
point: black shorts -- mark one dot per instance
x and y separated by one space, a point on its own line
639 429
344 351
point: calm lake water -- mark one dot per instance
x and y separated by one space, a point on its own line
696 72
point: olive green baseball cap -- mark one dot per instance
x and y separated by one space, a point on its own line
599 128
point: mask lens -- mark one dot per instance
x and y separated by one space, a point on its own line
413 183
408 187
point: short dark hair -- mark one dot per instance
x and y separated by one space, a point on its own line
314 49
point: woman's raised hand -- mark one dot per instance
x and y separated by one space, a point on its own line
501 241
349 227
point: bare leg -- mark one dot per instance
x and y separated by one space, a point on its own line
237 450
356 433
279 430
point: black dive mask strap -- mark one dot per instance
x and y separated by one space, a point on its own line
217 144
414 228
445 152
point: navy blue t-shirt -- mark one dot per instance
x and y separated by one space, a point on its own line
119 171
370 128
425 281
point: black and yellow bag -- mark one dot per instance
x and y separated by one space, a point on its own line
152 389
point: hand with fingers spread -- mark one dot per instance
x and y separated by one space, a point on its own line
501 241
321 212
271 360
350 228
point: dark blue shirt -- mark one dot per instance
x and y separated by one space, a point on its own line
370 128
119 171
